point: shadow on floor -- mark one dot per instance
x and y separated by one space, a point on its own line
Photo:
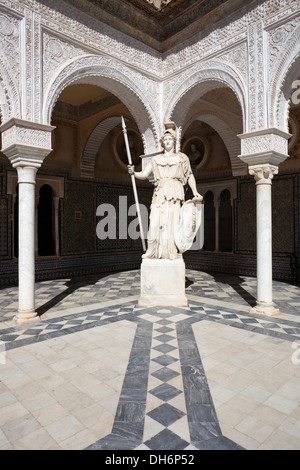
71 286
235 282
188 282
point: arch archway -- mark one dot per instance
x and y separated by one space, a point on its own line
286 71
94 141
200 80
116 78
284 93
227 134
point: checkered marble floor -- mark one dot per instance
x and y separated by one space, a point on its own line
176 362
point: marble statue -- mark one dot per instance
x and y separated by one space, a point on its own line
171 171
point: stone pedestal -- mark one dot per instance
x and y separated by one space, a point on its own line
162 283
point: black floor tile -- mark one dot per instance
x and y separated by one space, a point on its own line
166 440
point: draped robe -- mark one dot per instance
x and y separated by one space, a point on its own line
171 174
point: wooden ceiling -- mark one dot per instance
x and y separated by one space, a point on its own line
161 24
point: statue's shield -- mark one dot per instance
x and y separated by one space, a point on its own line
191 226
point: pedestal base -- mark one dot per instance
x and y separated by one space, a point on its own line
162 283
265 308
24 318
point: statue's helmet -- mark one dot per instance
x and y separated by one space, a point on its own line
170 132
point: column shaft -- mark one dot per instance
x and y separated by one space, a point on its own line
26 182
263 176
264 244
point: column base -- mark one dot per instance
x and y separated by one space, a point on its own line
163 283
24 318
265 308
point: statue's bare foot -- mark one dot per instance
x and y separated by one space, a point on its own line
145 256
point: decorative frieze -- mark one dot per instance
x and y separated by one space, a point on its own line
248 45
263 143
268 146
25 142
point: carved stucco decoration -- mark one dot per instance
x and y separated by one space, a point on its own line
257 117
264 143
10 66
229 32
10 42
237 57
25 142
250 27
218 37
224 41
98 37
284 66
268 146
9 97
56 53
116 78
26 136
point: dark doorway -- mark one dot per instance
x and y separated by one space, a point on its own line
16 224
209 222
46 237
225 221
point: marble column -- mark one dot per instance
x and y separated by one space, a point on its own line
263 150
26 181
263 176
26 144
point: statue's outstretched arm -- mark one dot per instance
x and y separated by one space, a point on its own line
140 175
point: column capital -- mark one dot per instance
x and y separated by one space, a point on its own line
26 143
263 174
27 174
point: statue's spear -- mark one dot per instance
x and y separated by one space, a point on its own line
133 184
